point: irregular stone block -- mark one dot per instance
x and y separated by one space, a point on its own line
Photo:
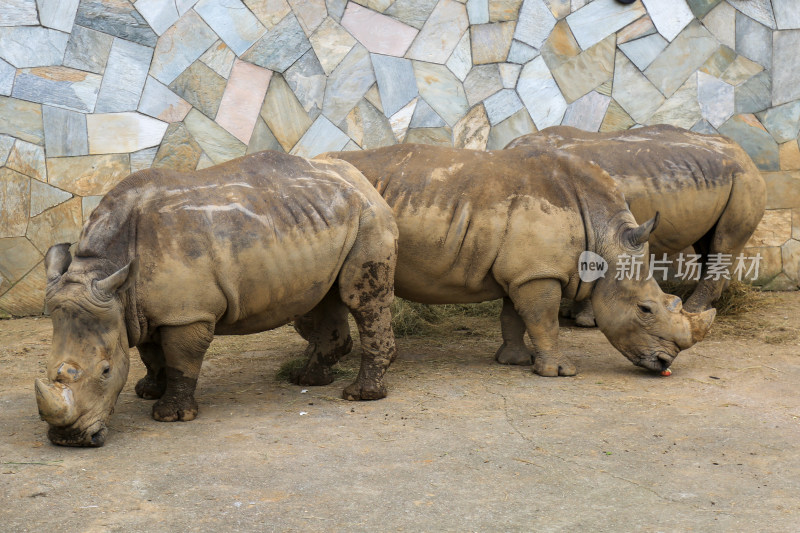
643 51
124 77
790 253
472 131
88 50
280 47
587 112
432 136
6 144
681 109
560 46
716 99
269 12
787 14
534 24
217 143
28 158
633 91
684 55
321 137
721 22
460 61
143 159
701 7
111 133
478 11
369 127
232 21
760 10
439 36
15 199
219 58
783 189
58 86
516 125
425 117
753 40
241 102
310 13
491 42
159 15
7 73
616 119
59 224
331 43
284 114
88 204
17 257
184 6
719 62
641 27
521 53
347 84
741 70
442 90
785 66
702 126
161 103
596 21
400 121
21 119
751 135
44 196
482 82
378 33
789 153
669 18
376 5
373 96
263 139
774 229
117 18
504 10
581 74
509 74
180 46
307 80
754 95
178 150
782 121
502 105
540 93
18 13
411 12
396 82
58 14
27 296
201 87
92 175
29 46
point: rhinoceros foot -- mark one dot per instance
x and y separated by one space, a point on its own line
318 368
363 390
175 409
509 354
150 388
553 366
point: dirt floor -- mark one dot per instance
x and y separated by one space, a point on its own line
460 443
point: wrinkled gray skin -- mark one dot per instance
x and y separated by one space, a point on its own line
168 260
511 224
706 188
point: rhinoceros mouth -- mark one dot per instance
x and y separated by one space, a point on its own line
658 361
94 436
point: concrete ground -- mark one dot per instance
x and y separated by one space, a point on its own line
460 443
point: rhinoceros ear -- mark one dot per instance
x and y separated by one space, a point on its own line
119 280
56 261
635 237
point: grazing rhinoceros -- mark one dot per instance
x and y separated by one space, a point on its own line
706 188
168 260
512 224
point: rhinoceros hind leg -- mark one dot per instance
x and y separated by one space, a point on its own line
584 314
152 386
513 350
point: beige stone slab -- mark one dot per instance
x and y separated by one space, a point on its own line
789 153
770 264
472 131
28 158
579 75
44 196
88 175
378 33
774 229
178 150
310 13
269 12
242 99
491 42
639 28
783 189
616 119
27 296
435 136
439 36
15 198
17 257
400 121
741 70
60 224
560 46
115 133
22 119
284 114
681 109
215 141
796 223
504 10
331 43
790 253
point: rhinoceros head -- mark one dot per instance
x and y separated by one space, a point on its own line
647 325
88 363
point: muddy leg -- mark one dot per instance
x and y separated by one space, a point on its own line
538 302
583 314
328 335
152 386
513 350
184 348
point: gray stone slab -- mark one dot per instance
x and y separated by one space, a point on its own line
219 58
787 14
509 74
701 7
599 19
643 51
782 121
534 24
117 18
478 11
785 66
28 159
263 139
44 196
502 105
703 126
7 73
307 80
280 47
21 119
65 132
516 125
58 86
28 46
159 102
17 257
750 135
587 112
125 74
633 91
377 130
6 143
541 94
482 82
669 18
721 22
682 108
396 83
336 9
18 13
425 117
178 149
684 55
411 12
442 90
180 46
58 14
201 87
586 71
760 10
520 53
88 50
232 21
753 40
441 33
284 114
217 143
160 15
331 43
321 137
143 159
460 62
716 99
754 95
348 84
14 203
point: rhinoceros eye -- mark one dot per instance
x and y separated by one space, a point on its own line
106 370
645 309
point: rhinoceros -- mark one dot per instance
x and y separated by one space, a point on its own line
512 224
168 260
708 191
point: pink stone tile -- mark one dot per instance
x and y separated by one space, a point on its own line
241 102
378 33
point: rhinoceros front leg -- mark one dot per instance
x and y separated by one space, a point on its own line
152 386
184 348
513 350
537 302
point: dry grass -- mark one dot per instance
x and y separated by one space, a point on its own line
411 318
737 299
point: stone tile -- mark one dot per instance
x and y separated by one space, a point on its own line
378 33
785 66
751 135
59 87
373 96
770 275
321 137
369 127
701 7
161 103
232 21
117 18
217 143
587 112
596 21
509 74
716 99
15 199
280 47
759 10
504 10
111 133
702 126
347 84
534 24
401 120
460 61
741 70
521 53
634 92
540 93
502 105
432 136
796 224
284 114
263 139
787 16
753 40
411 12
516 125
774 229
89 204
331 43
91 175
442 90
790 252
721 22
782 121
88 50
7 73
439 36
6 144
124 77
27 296
184 6
201 87
178 150
28 159
310 13
159 15
219 58
643 51
269 12
472 131
59 224
753 95
559 8
21 119
44 196
682 108
17 257
307 80
560 46
491 42
425 116
242 100
57 14
143 159
18 13
783 189
482 82
351 146
396 82
32 46
478 11
180 46
669 18
684 55
641 27
719 61
789 153
581 74
376 5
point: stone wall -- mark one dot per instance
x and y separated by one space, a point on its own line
91 90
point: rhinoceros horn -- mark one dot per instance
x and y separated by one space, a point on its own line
701 323
119 280
56 404
56 261
637 236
